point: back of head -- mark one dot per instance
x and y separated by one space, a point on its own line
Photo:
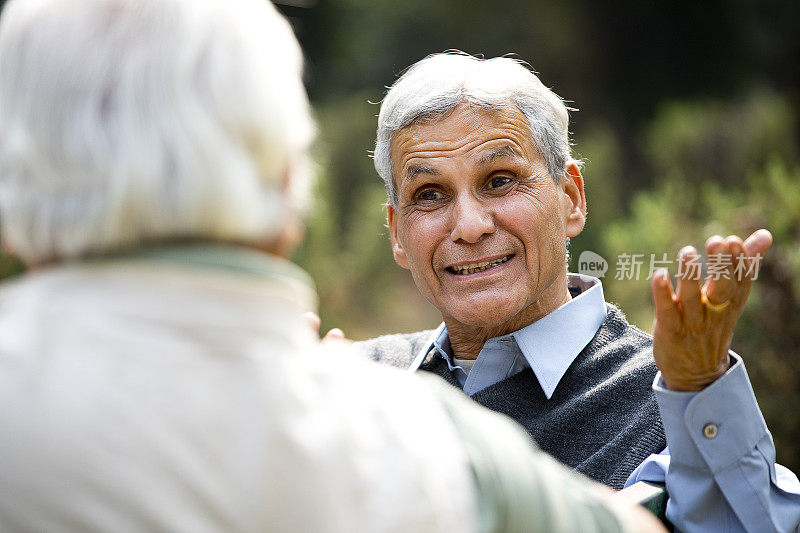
125 122
437 84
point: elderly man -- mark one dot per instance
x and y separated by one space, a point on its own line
156 370
483 198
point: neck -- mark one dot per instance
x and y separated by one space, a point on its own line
467 340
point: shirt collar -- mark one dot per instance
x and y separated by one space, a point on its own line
550 344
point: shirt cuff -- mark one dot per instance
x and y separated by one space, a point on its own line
715 427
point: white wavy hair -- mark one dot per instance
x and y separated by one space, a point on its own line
124 122
435 85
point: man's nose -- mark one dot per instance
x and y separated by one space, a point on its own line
470 219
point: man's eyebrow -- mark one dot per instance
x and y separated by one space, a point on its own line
505 151
414 170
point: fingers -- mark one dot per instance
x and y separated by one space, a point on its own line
692 333
666 309
753 250
334 335
732 266
688 291
722 255
758 243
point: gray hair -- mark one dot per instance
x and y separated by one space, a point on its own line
435 85
124 122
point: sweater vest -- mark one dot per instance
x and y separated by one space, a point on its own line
602 419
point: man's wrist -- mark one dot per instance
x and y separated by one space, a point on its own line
696 382
728 405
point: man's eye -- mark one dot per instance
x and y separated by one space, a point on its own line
429 195
499 181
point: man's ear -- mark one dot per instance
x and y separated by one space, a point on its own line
397 247
576 204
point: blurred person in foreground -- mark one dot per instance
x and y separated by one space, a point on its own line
483 197
156 369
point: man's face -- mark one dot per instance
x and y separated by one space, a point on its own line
479 222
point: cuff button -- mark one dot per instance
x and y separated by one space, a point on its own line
710 430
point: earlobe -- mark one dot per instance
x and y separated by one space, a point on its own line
576 205
397 247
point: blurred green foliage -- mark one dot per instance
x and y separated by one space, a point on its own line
720 168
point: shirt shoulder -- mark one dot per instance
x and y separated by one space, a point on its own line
398 350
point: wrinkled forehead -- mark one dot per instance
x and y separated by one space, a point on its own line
479 133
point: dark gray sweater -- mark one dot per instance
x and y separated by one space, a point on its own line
602 419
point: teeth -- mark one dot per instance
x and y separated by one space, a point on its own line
463 270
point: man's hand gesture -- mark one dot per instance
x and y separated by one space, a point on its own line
694 326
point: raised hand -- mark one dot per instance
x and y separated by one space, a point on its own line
694 325
333 335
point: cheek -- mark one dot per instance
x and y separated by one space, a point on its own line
524 218
532 215
420 236
537 228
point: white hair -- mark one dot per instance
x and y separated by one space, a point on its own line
435 85
124 122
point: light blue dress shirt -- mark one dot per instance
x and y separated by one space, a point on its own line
719 465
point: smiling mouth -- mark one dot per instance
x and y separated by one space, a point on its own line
474 268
